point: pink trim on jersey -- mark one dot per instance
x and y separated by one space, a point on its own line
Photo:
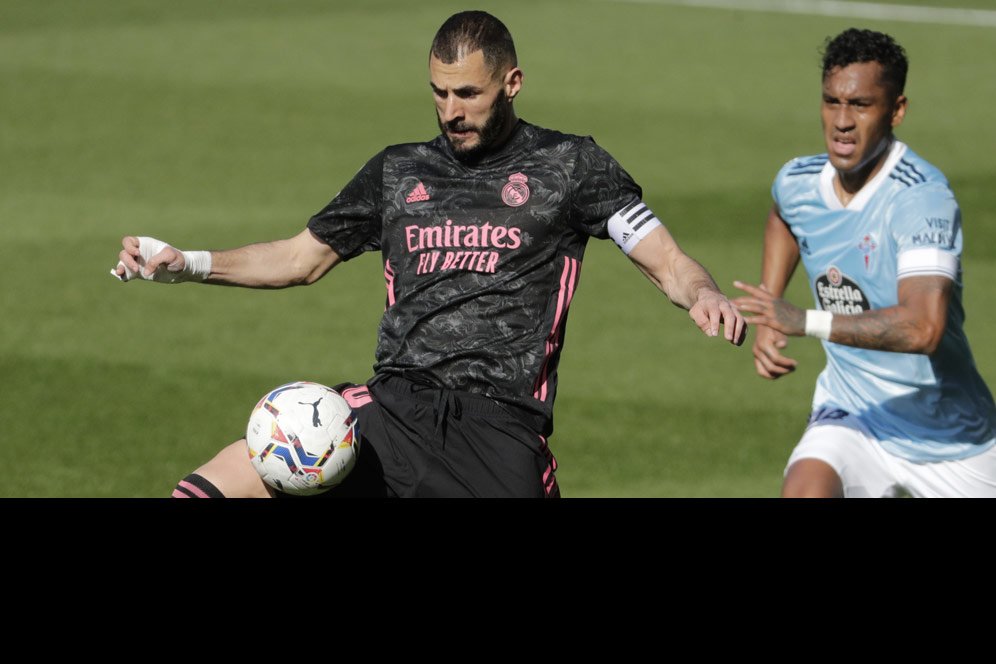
189 487
357 397
389 279
568 282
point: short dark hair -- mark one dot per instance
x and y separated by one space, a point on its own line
467 32
854 45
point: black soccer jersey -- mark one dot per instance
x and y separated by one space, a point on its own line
481 260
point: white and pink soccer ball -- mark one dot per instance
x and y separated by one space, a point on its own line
303 438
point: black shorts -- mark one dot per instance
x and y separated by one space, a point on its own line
419 441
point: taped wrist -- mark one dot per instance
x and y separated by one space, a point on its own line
196 264
818 323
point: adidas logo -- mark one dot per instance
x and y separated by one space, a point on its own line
417 194
626 237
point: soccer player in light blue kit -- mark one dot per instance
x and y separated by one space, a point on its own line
900 407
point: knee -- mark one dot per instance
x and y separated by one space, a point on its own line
231 473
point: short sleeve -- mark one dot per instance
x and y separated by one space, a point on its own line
926 227
351 224
781 193
776 187
600 188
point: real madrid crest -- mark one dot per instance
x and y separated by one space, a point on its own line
516 192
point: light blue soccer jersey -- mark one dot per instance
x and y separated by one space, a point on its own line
904 222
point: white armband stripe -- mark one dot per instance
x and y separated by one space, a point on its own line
631 224
927 261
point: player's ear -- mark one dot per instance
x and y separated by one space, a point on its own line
512 82
899 110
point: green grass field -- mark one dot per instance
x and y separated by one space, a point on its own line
212 125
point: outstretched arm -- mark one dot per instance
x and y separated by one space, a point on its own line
300 260
688 285
915 325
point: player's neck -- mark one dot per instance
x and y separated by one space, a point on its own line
507 131
847 184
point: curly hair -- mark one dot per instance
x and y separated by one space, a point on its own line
854 45
470 31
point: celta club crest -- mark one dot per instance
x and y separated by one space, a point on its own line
516 192
867 246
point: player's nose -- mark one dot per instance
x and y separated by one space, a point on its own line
843 119
452 109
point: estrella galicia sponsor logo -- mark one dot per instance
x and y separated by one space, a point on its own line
838 294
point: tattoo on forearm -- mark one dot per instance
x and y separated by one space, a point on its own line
887 330
909 327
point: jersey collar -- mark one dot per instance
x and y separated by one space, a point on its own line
896 152
511 146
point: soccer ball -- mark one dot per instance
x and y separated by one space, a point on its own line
302 438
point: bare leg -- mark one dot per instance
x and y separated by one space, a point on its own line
812 478
233 475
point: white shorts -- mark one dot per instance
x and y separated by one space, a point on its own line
868 471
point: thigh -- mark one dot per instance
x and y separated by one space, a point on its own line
974 477
231 472
433 443
841 443
367 478
491 455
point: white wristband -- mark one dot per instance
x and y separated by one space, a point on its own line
196 264
818 323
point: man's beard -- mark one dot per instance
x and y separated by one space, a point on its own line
487 134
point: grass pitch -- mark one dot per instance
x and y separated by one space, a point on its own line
212 125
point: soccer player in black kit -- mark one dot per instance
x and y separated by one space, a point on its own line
482 232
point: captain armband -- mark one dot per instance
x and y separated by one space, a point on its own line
927 261
631 224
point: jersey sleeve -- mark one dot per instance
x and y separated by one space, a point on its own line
792 185
352 222
776 186
926 227
605 196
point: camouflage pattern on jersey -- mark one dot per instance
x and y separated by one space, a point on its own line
480 260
